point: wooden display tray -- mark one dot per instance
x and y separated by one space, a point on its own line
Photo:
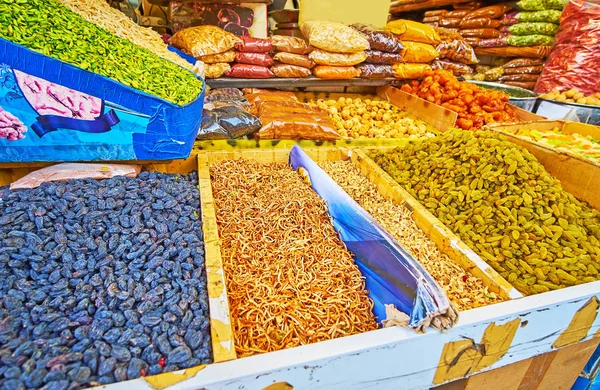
305 82
511 51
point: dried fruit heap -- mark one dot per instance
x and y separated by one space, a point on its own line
502 203
101 282
290 279
50 28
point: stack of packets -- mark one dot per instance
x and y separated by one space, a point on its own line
517 72
209 44
455 53
385 51
291 57
337 49
419 41
535 25
252 59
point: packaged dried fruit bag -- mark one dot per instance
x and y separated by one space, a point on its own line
379 39
573 61
334 37
204 40
531 28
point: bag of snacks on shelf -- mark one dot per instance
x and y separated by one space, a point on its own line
321 57
519 62
524 69
410 71
540 5
573 61
456 68
432 24
458 13
547 16
295 121
430 19
226 56
520 77
381 57
494 74
509 19
437 12
254 45
479 23
236 121
472 5
418 52
484 33
492 12
246 71
261 59
214 71
225 95
290 71
493 42
407 30
532 28
458 51
334 37
521 84
378 38
450 23
290 44
529 40
294 59
335 72
204 40
257 97
374 71
473 42
210 128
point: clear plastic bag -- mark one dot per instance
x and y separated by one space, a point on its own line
437 12
415 52
509 19
410 71
374 71
519 62
540 5
290 44
321 57
456 68
547 16
524 69
335 72
493 42
261 59
492 12
529 40
254 45
450 23
295 121
226 56
334 37
459 13
457 50
473 42
290 71
214 71
573 61
246 71
379 39
210 128
533 28
381 57
294 59
480 23
484 33
224 94
204 40
407 30
430 19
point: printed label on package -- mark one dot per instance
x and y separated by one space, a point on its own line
44 121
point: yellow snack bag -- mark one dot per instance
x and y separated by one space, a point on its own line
407 30
418 52
410 71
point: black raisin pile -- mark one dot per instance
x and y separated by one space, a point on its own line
101 281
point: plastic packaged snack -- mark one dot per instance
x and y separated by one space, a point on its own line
335 72
430 19
485 33
480 23
214 71
246 71
294 59
418 52
378 38
457 50
450 23
509 19
456 68
546 16
573 61
529 40
437 12
295 121
290 44
474 42
223 94
210 128
410 71
459 13
381 57
473 5
204 40
226 56
290 71
524 69
236 122
494 74
407 30
540 5
518 62
493 42
532 28
261 59
321 57
521 84
432 24
374 71
520 77
493 12
334 37
254 45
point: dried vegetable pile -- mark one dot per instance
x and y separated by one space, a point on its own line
371 118
465 290
475 106
502 203
101 282
290 279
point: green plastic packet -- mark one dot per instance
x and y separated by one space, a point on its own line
533 28
546 16
529 40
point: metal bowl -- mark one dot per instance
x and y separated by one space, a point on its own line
519 97
285 15
575 112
